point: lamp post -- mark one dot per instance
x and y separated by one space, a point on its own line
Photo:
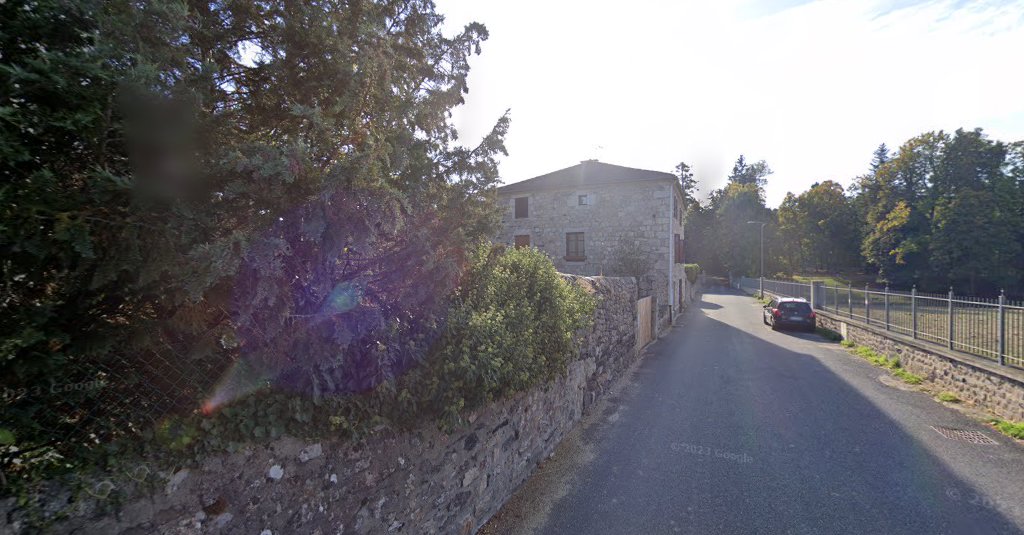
760 283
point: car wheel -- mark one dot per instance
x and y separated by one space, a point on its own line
775 326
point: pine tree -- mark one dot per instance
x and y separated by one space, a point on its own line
305 205
754 174
688 184
879 158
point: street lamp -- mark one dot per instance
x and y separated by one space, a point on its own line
760 283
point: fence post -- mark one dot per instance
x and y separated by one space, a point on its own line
818 294
951 317
886 301
913 312
1002 328
867 304
761 286
849 299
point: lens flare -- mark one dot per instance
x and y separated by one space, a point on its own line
344 297
240 380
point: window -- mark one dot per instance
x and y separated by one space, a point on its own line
582 200
574 250
522 240
791 307
522 207
679 250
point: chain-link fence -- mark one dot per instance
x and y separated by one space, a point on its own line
87 403
992 328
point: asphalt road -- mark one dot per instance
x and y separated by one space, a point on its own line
728 427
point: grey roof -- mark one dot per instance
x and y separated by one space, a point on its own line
585 173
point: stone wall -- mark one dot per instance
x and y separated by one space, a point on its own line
422 481
999 389
637 212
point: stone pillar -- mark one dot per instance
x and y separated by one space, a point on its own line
817 294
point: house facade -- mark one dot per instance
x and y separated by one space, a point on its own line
586 216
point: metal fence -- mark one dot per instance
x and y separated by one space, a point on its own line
992 328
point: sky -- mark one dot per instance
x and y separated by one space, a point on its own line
811 87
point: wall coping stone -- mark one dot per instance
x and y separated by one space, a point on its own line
1007 372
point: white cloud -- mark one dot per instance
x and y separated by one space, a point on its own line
810 87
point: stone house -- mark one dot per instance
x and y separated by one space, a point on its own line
583 216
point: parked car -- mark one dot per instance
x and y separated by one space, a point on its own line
789 312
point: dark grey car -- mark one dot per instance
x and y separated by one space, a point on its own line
789 312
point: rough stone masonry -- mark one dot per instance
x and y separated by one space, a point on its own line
417 482
999 389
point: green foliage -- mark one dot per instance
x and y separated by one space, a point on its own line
847 343
948 397
907 377
893 365
894 243
692 272
876 358
817 227
511 327
1010 429
736 242
749 174
880 157
688 184
304 208
828 280
717 234
945 209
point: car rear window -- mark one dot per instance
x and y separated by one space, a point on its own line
795 307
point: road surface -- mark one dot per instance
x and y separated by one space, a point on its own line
727 427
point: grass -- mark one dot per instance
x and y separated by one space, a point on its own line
882 361
847 344
975 325
1010 429
948 397
829 280
907 377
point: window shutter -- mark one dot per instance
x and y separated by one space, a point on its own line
574 247
522 207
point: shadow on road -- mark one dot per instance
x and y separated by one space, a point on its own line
727 432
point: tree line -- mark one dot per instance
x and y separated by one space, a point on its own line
943 210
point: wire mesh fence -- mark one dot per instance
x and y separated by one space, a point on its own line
992 328
88 403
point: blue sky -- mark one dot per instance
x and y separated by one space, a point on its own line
810 86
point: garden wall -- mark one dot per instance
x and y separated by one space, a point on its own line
422 481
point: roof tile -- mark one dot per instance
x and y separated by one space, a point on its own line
585 173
